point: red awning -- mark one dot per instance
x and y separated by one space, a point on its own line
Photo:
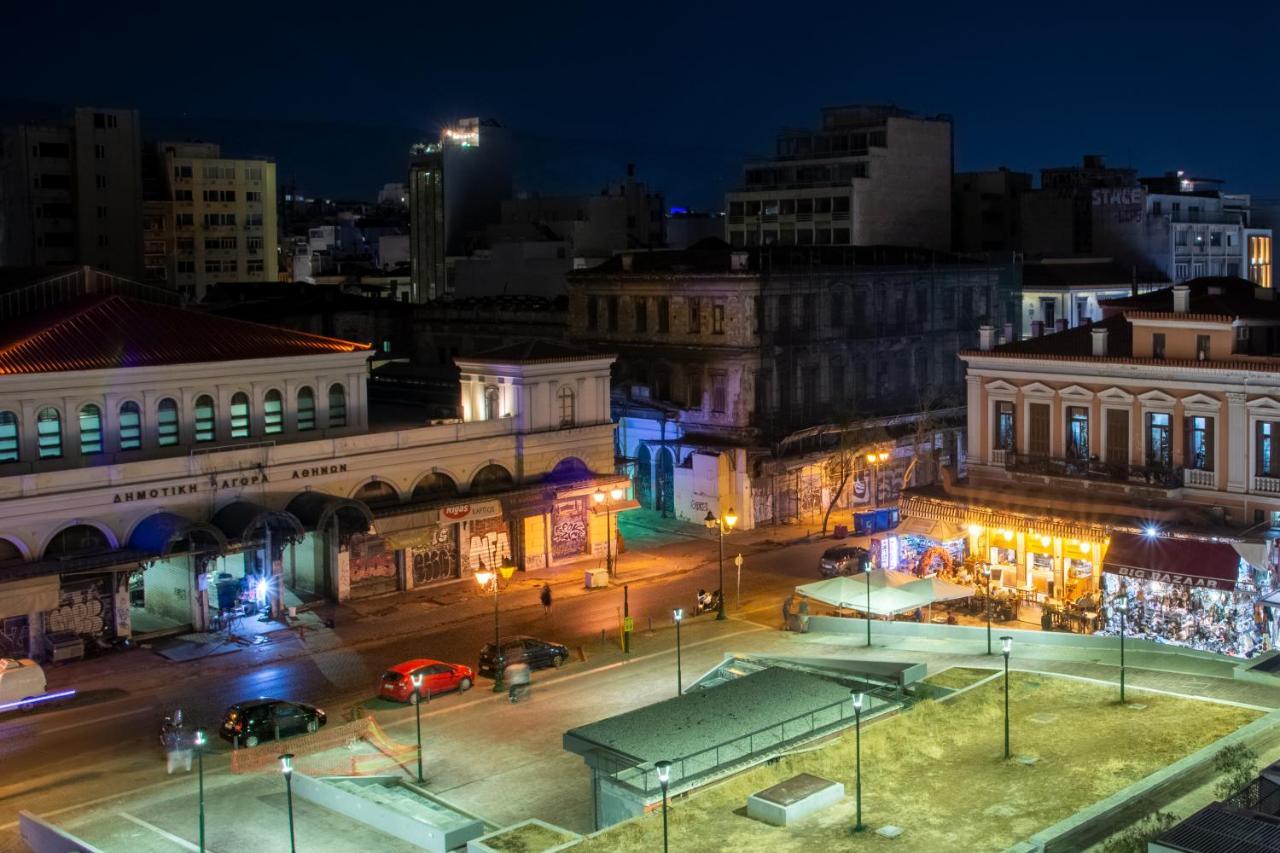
1187 562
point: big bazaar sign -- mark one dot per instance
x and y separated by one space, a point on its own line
1167 577
472 511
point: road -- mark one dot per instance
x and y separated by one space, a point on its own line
108 742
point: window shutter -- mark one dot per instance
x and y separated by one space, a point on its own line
1211 446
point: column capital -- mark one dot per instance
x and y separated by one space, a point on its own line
1236 397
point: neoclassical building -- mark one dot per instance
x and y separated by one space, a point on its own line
157 463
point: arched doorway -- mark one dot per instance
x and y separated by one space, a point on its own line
644 477
666 481
571 469
435 487
77 539
377 493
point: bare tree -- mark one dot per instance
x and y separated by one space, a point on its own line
854 441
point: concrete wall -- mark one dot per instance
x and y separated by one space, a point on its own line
169 588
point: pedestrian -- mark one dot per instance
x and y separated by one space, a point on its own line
546 598
786 613
621 546
804 617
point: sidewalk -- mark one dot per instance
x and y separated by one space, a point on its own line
671 548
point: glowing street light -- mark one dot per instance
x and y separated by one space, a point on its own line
664 778
875 460
678 615
200 741
286 767
608 502
722 524
858 699
484 577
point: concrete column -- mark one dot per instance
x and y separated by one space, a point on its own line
1020 543
977 415
1236 436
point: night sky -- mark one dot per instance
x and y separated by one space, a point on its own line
336 92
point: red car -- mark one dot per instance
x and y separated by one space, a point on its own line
437 677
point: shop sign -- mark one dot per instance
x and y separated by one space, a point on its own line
1168 577
219 483
470 512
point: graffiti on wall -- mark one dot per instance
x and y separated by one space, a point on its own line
371 559
569 529
84 608
489 543
436 560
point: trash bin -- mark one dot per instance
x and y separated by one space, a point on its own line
596 578
841 531
864 523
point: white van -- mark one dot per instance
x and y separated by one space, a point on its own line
20 679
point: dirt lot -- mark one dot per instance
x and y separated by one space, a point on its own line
937 771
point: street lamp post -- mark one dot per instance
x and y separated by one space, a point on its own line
286 767
1006 646
722 524
1123 604
866 579
858 699
678 615
875 460
417 707
986 570
664 779
608 501
200 742
505 571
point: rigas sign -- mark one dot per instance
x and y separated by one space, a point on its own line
219 483
470 511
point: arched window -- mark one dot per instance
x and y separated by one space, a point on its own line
377 493
9 437
435 486
273 413
76 539
491 399
130 426
90 429
167 422
337 406
240 415
49 433
566 398
306 409
206 425
490 479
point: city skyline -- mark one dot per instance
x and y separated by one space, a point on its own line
678 92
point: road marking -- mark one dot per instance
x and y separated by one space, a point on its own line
181 842
94 721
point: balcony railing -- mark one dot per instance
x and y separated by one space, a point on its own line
999 456
1160 476
1195 478
1269 485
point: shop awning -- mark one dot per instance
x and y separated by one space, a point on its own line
166 533
316 509
929 528
241 520
617 506
1186 562
32 595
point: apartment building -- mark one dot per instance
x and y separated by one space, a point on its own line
71 193
870 175
208 219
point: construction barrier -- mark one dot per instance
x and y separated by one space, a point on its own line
265 756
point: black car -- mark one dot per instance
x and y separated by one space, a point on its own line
538 654
844 560
260 720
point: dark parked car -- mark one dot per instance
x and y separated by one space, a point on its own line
844 560
260 720
538 654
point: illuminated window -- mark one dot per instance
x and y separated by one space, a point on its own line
337 406
167 422
306 409
8 437
130 426
49 433
206 429
1077 432
90 430
1199 443
1004 433
273 413
240 415
1159 445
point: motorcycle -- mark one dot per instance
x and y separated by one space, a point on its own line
707 602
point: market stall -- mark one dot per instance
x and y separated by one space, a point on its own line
1196 593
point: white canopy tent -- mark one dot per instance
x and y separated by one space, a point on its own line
891 592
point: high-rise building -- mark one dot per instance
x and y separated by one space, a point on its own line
871 175
209 219
456 188
72 193
986 210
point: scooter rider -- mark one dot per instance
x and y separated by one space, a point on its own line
517 676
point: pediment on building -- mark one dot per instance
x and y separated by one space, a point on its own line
999 386
1157 398
1115 395
1201 401
1037 389
1076 392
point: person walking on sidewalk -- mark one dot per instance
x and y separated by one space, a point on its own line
546 598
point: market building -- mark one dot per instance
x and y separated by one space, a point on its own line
163 470
1132 457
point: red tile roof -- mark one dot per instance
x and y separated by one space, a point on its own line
114 331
